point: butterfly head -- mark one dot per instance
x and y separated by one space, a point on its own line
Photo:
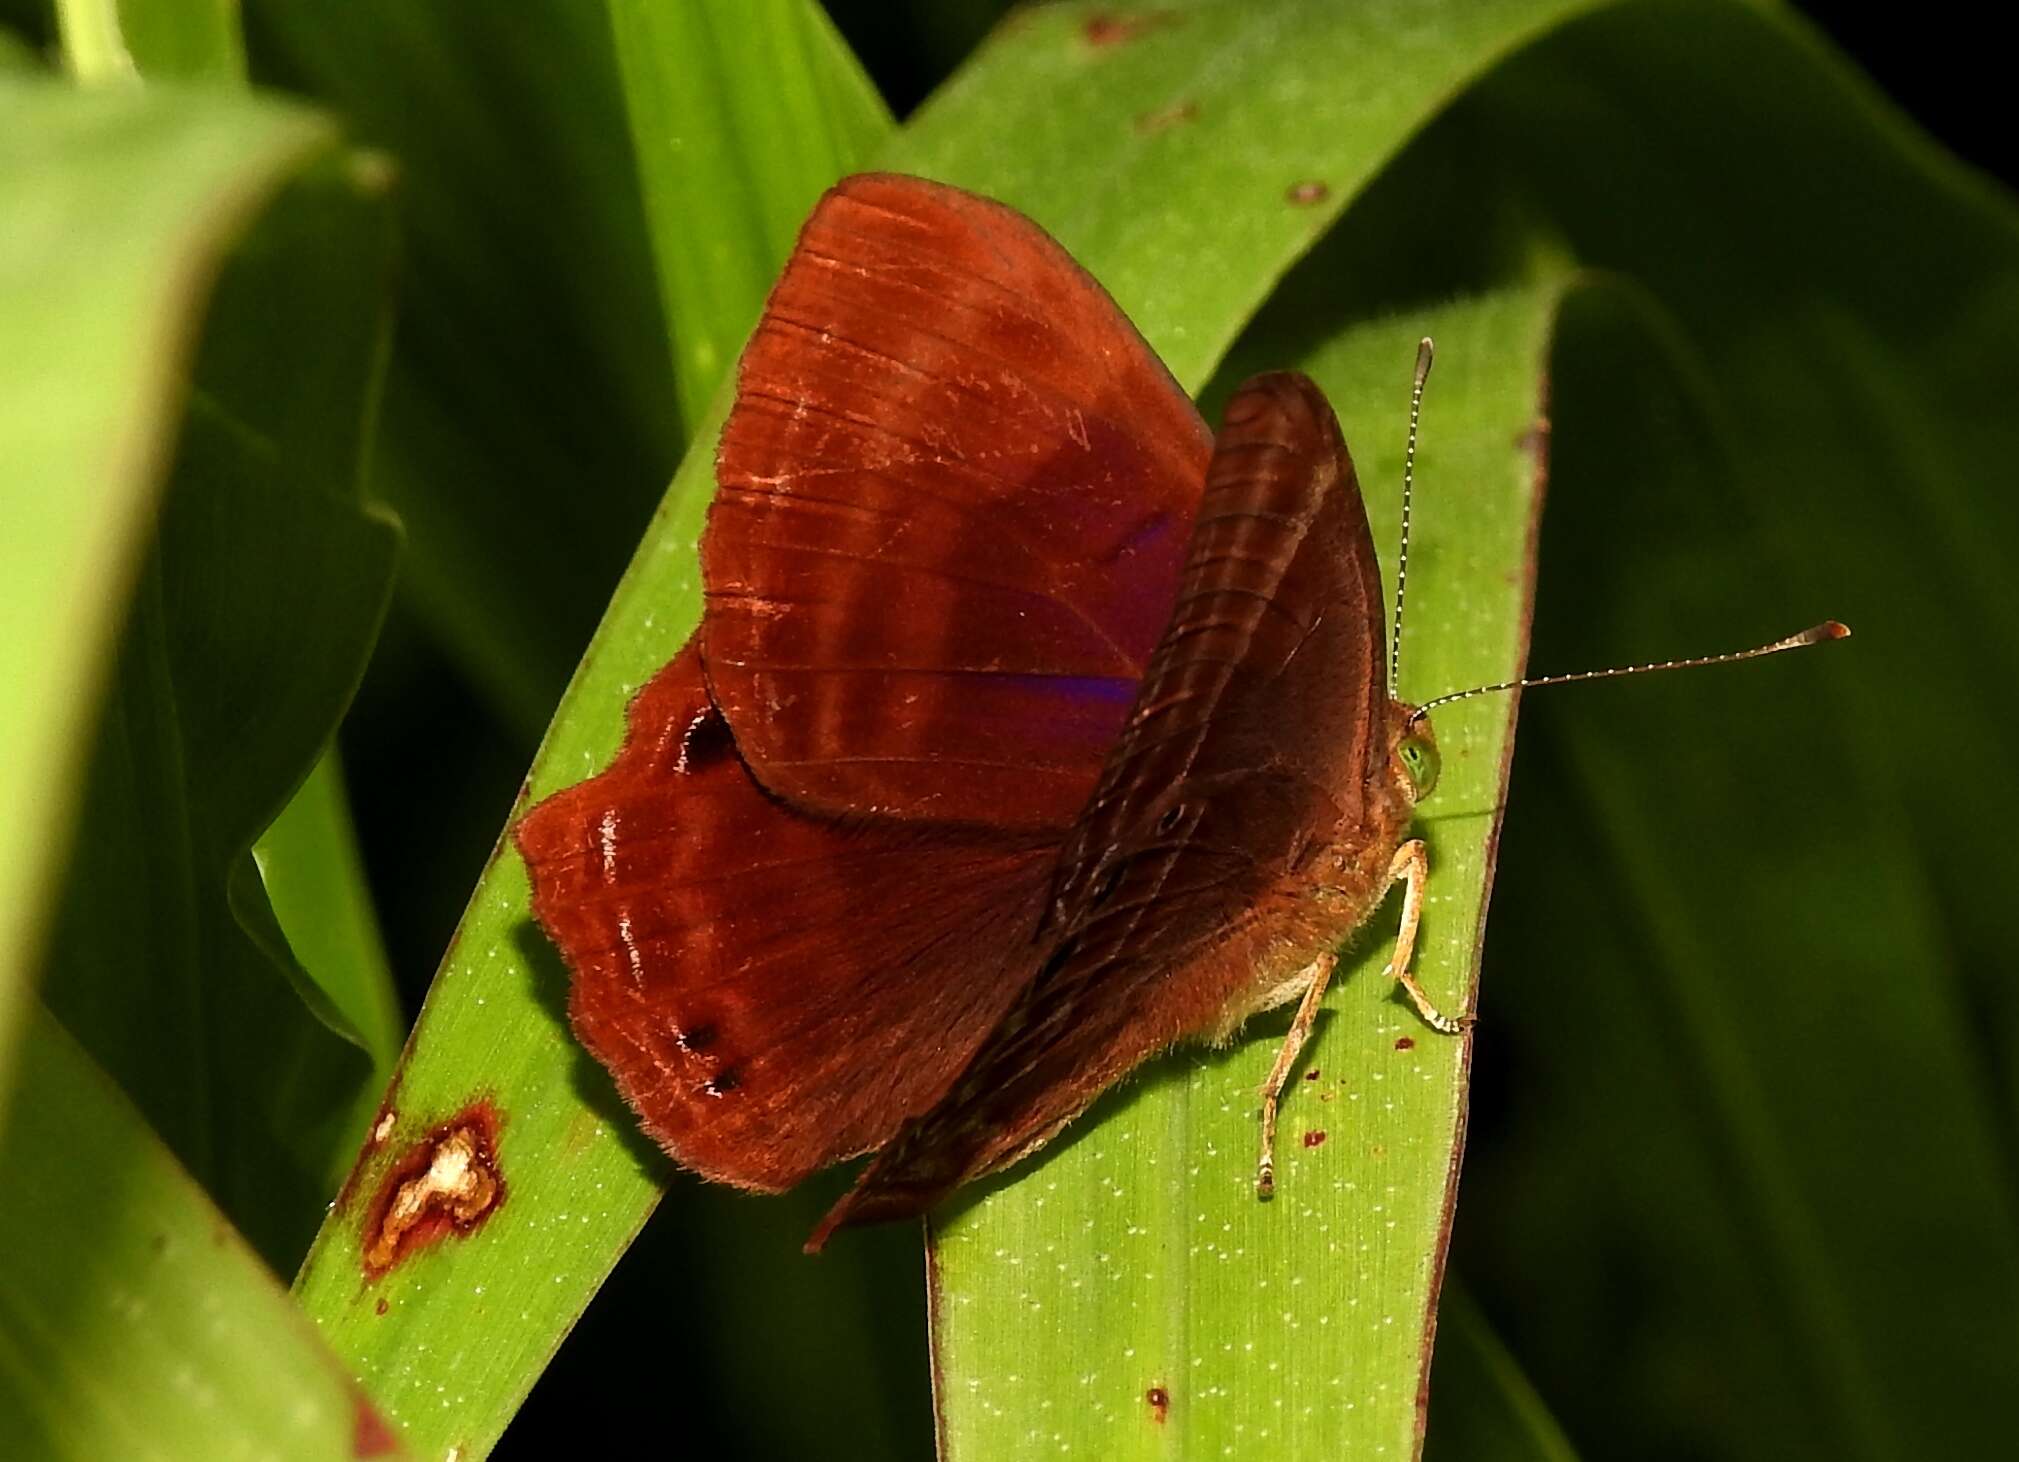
1413 761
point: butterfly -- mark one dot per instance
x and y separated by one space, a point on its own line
1030 729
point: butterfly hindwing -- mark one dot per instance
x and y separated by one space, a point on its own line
769 988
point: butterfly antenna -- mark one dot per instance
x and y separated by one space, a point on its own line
1424 353
1814 635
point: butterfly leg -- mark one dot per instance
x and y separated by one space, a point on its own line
1320 973
1412 868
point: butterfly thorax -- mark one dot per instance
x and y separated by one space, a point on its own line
1330 883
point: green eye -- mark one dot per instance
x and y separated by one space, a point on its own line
1419 759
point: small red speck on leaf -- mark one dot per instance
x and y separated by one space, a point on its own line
1165 118
1405 1043
448 1182
1112 30
1314 1138
1305 194
1160 1403
380 1308
383 1123
370 1436
1312 1074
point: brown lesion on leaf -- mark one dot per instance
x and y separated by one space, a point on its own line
1108 29
1159 1398
1163 119
1308 193
448 1182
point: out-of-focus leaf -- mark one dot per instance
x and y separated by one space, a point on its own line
1482 1408
255 617
1757 1200
309 854
530 417
161 40
118 206
94 48
308 862
133 1321
20 25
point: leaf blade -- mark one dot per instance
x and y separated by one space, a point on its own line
133 1319
124 204
748 141
1136 1258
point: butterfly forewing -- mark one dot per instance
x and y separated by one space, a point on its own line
1171 900
952 500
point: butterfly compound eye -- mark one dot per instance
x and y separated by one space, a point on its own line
1419 759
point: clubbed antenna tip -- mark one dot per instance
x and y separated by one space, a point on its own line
1829 629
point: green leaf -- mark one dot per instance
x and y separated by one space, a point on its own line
311 877
133 1319
740 118
310 866
1482 1408
17 35
530 417
254 620
308 858
161 40
120 205
1133 1257
1755 1200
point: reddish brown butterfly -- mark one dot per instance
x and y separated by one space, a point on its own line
1028 731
